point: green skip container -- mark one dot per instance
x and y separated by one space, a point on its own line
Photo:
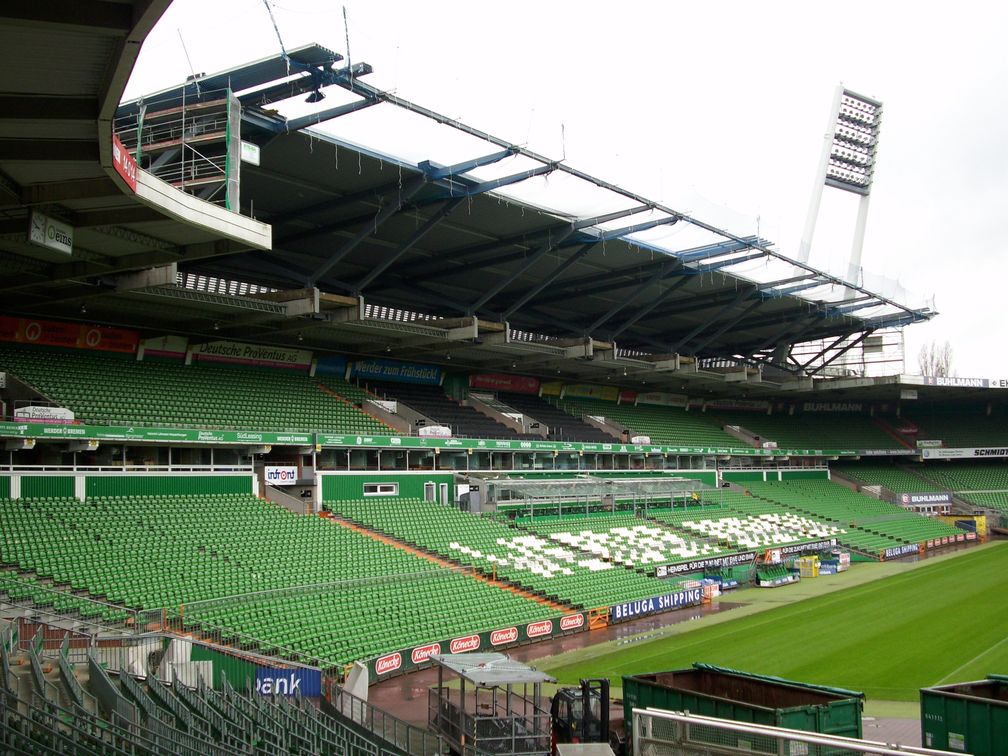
744 697
970 717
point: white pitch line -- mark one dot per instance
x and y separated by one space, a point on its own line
975 658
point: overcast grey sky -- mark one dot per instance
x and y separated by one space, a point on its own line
713 108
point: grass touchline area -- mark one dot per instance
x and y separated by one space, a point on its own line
887 629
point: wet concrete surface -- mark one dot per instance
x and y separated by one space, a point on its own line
406 696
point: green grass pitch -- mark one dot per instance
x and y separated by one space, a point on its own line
940 623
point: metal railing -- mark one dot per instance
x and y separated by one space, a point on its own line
670 733
130 468
414 740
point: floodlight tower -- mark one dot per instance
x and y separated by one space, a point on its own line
847 163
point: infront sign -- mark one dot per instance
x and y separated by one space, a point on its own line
50 233
282 476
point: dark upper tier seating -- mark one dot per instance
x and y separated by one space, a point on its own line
562 426
432 401
111 389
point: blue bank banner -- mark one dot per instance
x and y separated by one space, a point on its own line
292 681
393 370
655 604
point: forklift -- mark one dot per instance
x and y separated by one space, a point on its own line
581 716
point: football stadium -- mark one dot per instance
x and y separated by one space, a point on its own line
313 447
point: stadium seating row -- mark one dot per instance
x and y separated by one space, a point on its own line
622 538
105 388
871 525
569 575
664 425
148 553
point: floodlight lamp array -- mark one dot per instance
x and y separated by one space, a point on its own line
855 142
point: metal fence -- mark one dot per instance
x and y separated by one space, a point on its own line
414 740
668 733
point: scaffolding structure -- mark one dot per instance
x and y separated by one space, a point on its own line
192 141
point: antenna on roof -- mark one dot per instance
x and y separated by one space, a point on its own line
273 20
349 60
195 78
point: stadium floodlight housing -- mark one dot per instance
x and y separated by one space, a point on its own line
854 144
850 148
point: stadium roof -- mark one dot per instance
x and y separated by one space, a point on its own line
467 257
478 235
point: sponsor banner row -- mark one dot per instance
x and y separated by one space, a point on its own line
985 383
898 551
411 658
198 436
400 372
947 540
587 391
663 399
966 453
515 384
804 548
698 565
153 435
72 335
252 354
331 364
663 603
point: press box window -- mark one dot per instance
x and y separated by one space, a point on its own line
381 489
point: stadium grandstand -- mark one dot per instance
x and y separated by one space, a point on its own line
252 464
